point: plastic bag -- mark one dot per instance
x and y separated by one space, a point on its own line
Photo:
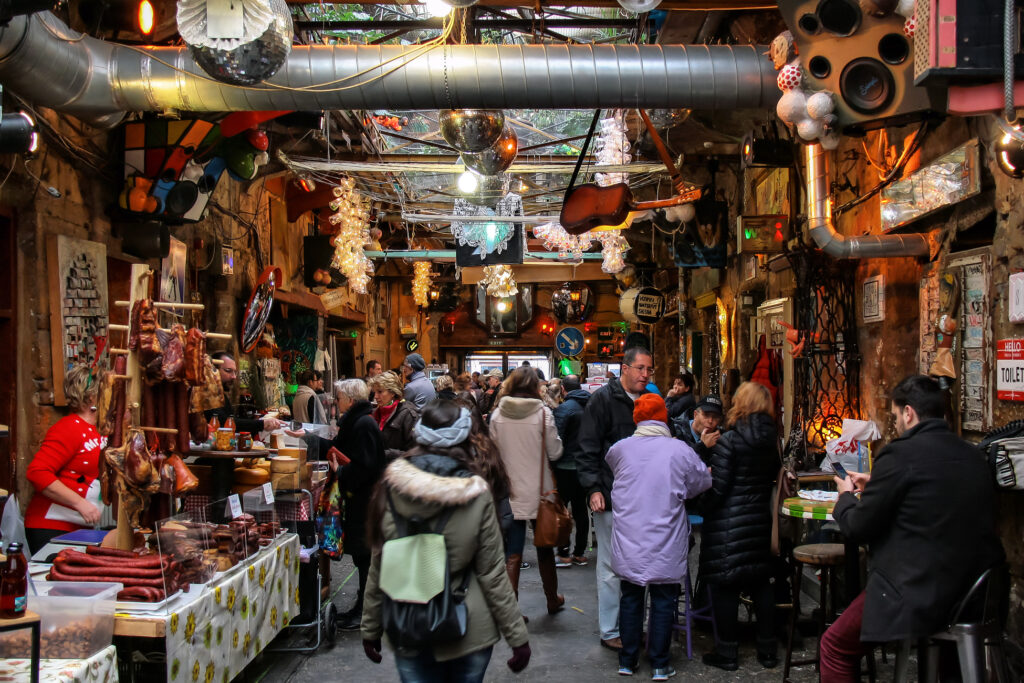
851 448
12 524
329 531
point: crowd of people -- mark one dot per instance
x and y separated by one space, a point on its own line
474 457
633 467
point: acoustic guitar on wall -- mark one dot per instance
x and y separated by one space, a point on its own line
590 205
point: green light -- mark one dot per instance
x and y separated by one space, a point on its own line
353 334
749 233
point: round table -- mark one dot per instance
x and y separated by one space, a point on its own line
803 508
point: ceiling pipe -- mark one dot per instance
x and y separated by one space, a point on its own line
823 232
47 63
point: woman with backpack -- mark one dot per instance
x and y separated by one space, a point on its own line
436 488
524 430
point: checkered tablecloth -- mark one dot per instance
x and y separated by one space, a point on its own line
287 510
807 509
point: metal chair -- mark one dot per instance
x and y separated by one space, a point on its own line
685 619
976 626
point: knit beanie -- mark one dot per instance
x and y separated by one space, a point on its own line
415 361
649 407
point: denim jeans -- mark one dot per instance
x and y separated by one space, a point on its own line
423 668
631 622
607 581
515 541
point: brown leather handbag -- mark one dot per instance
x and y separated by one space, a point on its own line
554 523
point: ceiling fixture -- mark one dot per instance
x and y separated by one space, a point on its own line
500 281
639 6
491 237
18 134
468 182
496 158
421 283
1009 151
437 8
352 216
146 17
243 42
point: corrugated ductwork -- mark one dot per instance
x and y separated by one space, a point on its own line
47 63
819 221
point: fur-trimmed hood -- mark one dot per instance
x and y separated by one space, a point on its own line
426 483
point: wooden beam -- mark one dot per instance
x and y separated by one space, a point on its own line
542 272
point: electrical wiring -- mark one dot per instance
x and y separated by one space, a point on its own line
908 151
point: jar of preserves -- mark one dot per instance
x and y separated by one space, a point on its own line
243 441
223 439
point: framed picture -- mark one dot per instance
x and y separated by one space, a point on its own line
873 299
172 275
77 273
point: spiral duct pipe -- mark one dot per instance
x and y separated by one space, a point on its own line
47 63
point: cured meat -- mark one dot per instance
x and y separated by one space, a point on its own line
142 335
149 408
173 343
184 480
138 470
166 473
195 356
106 405
210 394
197 428
120 402
141 594
166 417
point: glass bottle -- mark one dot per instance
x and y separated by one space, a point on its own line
14 584
214 425
230 424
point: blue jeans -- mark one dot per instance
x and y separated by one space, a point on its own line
423 668
631 622
516 538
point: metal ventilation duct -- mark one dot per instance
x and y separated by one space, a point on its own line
819 221
47 63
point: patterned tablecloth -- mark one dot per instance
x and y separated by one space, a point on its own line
807 509
211 639
100 668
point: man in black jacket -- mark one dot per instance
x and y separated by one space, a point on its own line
568 417
680 399
927 514
700 431
607 419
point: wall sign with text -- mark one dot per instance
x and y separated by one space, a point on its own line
1010 369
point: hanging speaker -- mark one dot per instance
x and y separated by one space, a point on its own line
866 60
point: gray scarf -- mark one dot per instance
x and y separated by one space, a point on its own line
444 437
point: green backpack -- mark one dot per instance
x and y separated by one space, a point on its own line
420 608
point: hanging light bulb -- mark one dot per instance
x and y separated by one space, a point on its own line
1009 151
468 182
421 283
437 8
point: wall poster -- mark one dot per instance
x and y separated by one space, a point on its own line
975 341
77 274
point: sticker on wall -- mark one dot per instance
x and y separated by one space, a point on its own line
1016 298
411 346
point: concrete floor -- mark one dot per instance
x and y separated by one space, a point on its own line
565 647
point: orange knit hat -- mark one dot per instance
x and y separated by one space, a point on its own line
649 407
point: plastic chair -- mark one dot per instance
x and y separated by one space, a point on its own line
976 626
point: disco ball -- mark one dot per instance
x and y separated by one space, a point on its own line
461 3
639 6
246 59
489 190
497 158
471 130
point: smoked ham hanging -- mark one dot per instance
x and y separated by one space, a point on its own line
195 357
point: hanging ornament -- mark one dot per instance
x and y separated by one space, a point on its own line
612 148
613 247
352 218
569 247
496 158
491 237
499 281
421 283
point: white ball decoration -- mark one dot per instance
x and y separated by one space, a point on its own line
905 8
810 129
820 105
910 26
684 213
792 106
830 141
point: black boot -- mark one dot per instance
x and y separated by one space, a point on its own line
725 656
767 653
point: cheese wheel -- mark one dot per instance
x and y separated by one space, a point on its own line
282 465
251 476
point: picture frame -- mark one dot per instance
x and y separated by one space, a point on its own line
873 299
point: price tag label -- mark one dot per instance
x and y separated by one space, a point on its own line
268 493
234 506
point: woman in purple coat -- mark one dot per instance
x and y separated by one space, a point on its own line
654 475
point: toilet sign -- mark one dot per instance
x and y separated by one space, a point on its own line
1010 369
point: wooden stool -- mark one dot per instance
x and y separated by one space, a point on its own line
824 556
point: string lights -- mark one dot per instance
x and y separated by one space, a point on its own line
612 148
500 281
571 247
421 283
352 216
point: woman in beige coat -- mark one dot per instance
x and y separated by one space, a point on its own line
524 430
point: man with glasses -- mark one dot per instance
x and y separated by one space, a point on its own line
608 418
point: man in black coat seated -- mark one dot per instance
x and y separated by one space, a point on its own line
700 430
927 515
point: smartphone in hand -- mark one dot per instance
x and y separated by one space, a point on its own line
838 469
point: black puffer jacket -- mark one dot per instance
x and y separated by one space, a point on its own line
737 534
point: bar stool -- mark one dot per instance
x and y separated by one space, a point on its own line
824 556
685 619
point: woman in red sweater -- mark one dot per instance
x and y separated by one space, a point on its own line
66 466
